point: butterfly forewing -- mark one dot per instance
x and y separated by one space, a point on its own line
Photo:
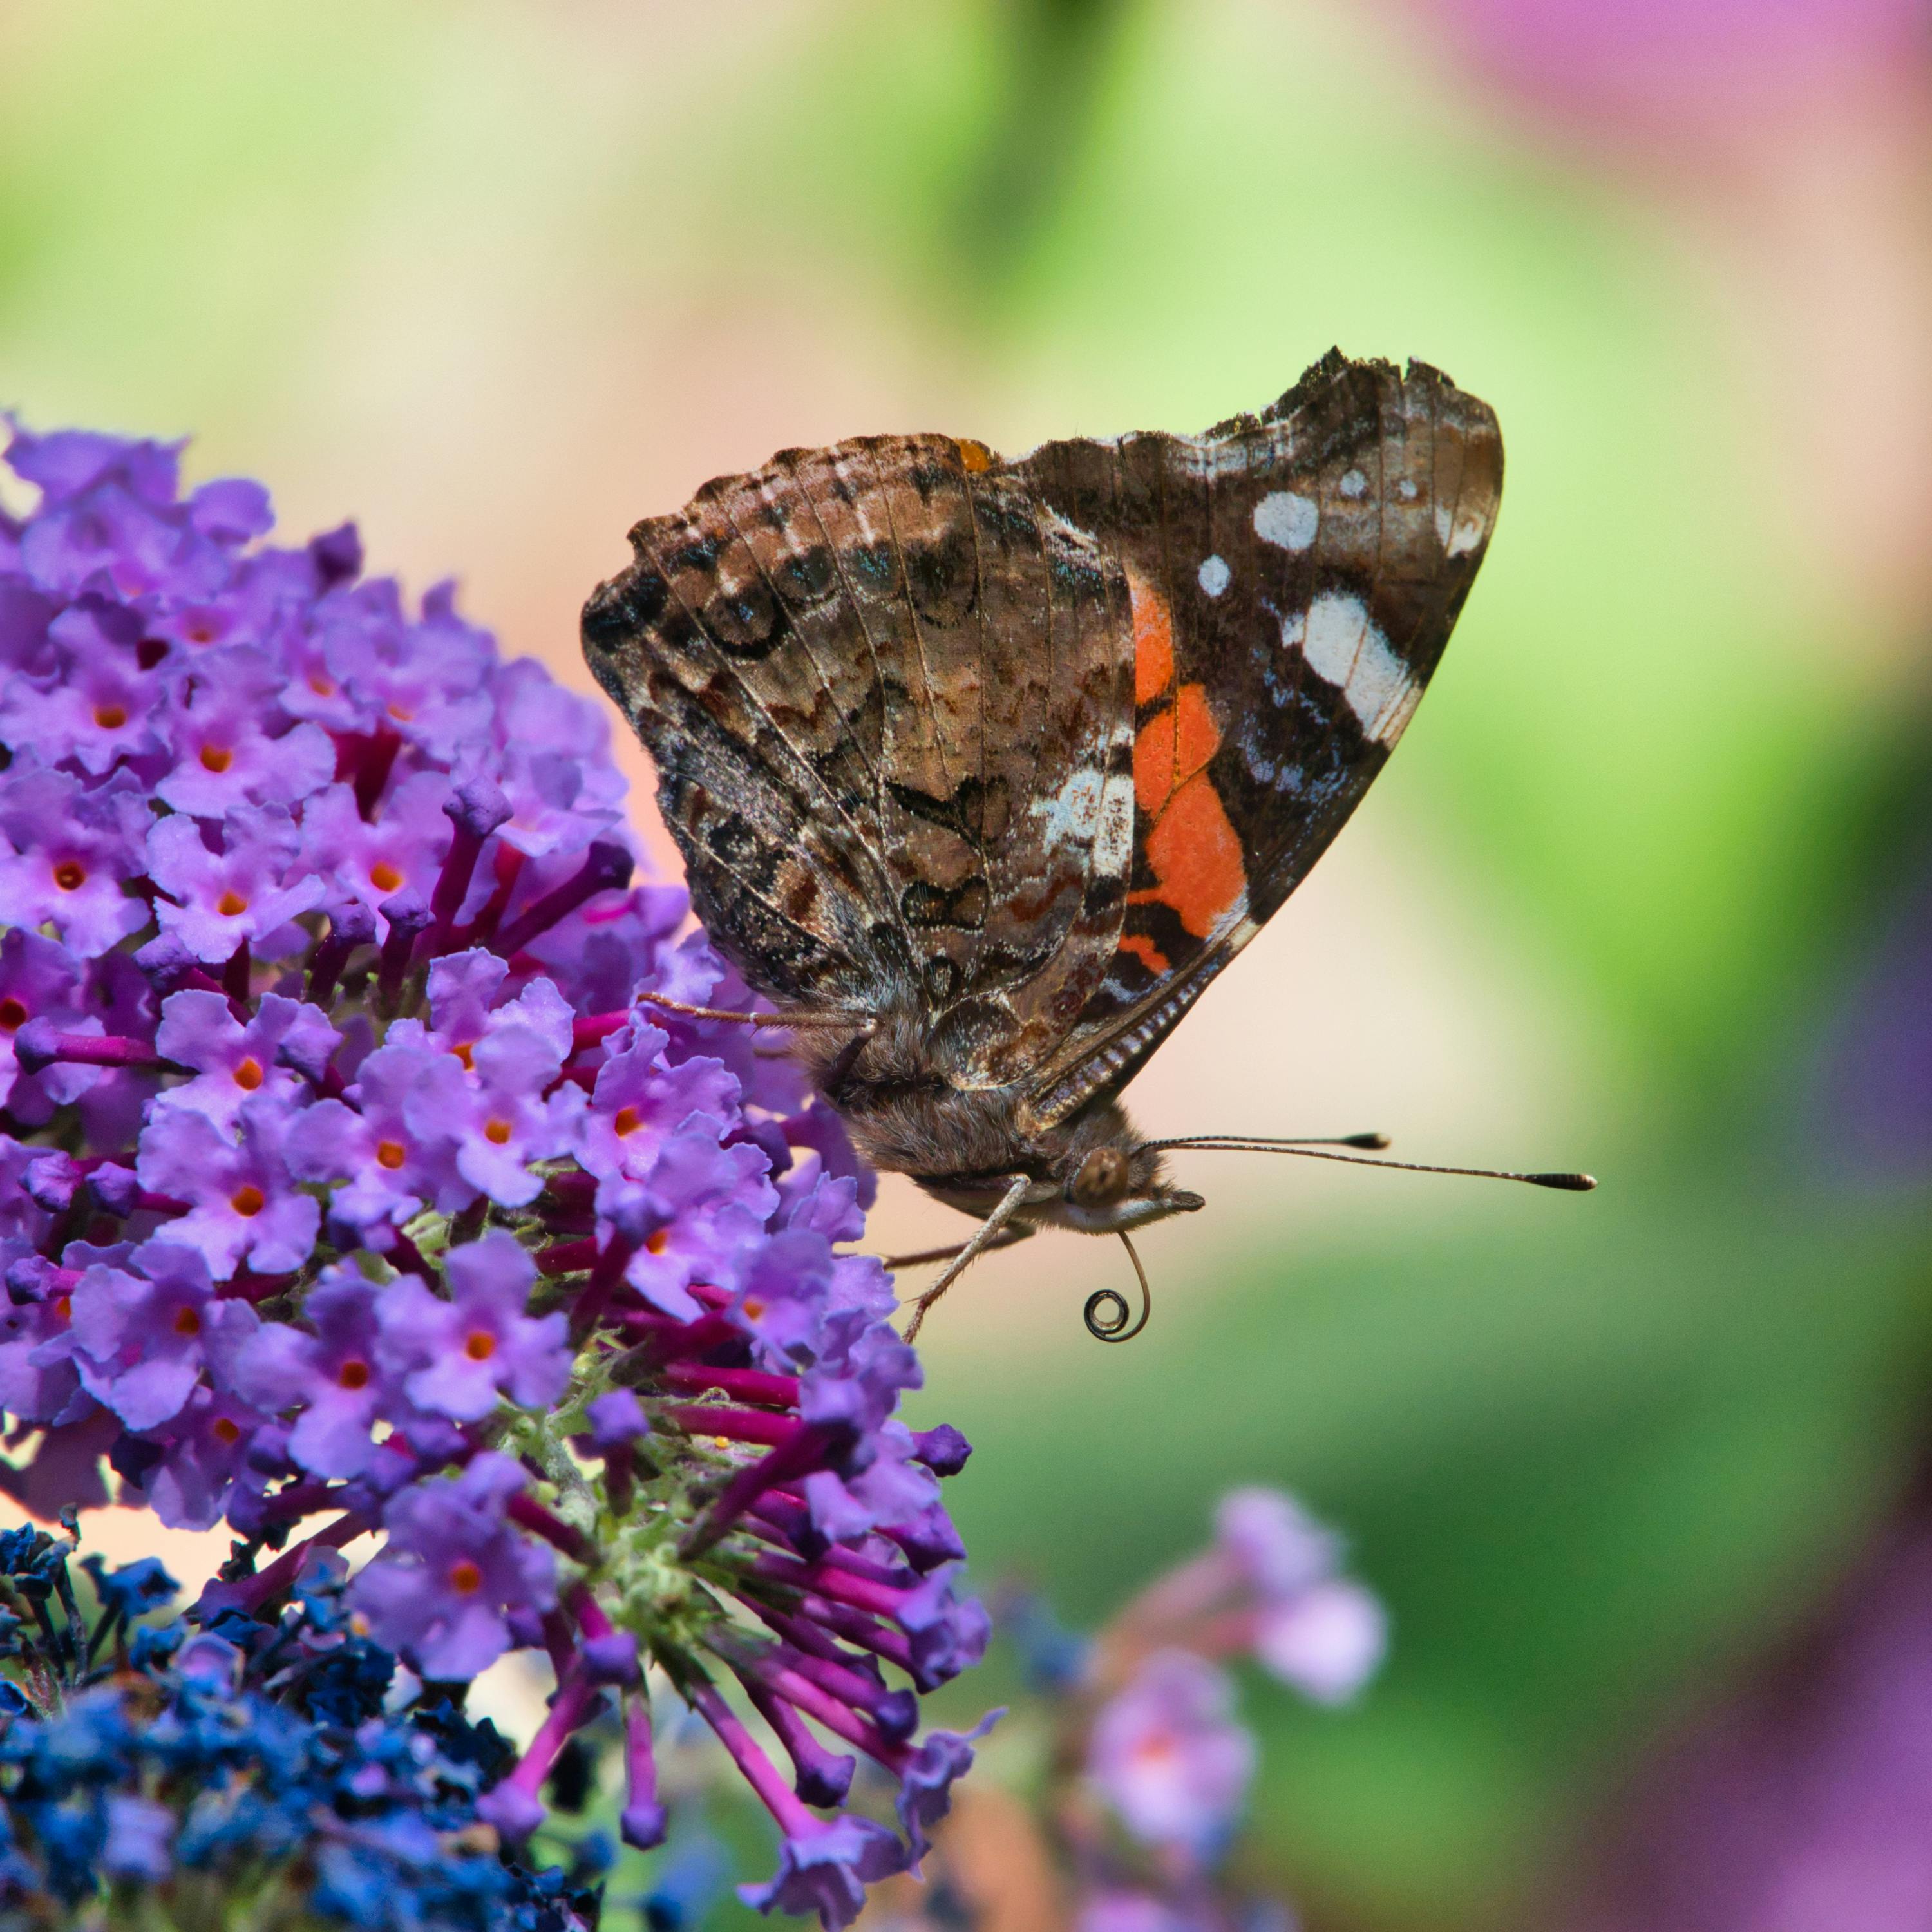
1295 579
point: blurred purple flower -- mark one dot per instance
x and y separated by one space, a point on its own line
1653 63
1327 1641
1167 1755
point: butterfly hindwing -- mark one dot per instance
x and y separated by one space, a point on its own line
889 697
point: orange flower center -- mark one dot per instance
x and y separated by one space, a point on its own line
231 905
657 1241
110 717
481 1345
322 687
401 713
353 1375
391 1154
384 876
187 1322
64 1305
465 1053
754 1309
497 1132
227 1431
628 1120
248 1074
69 875
13 1015
247 1200
216 757
465 1578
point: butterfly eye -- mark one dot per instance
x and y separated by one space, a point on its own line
1100 1180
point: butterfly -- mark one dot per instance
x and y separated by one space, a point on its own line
982 770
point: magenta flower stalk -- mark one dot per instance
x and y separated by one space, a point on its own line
346 1183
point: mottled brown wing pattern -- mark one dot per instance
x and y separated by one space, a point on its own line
889 697
1294 580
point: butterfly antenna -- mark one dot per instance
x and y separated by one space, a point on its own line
1570 1183
1377 1141
1107 1323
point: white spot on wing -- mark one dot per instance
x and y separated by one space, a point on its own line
1074 811
1215 576
1286 521
1113 844
1406 489
1465 536
1353 484
1343 648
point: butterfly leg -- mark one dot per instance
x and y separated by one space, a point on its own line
790 1022
1008 1237
983 1236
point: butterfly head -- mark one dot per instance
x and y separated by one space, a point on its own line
1113 1186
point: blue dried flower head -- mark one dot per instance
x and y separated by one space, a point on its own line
348 1185
275 1760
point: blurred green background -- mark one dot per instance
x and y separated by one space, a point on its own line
498 278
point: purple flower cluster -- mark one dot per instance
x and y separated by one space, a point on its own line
343 1174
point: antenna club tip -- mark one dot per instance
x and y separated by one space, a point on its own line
1570 1183
1376 1142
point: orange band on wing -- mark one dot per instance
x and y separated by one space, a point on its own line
1153 640
1192 850
1171 746
1144 949
1195 854
1196 737
1154 764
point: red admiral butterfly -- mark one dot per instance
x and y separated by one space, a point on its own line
983 770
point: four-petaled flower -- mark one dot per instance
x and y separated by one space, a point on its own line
287 1044
453 1570
334 1375
242 1203
217 901
142 1333
456 1356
